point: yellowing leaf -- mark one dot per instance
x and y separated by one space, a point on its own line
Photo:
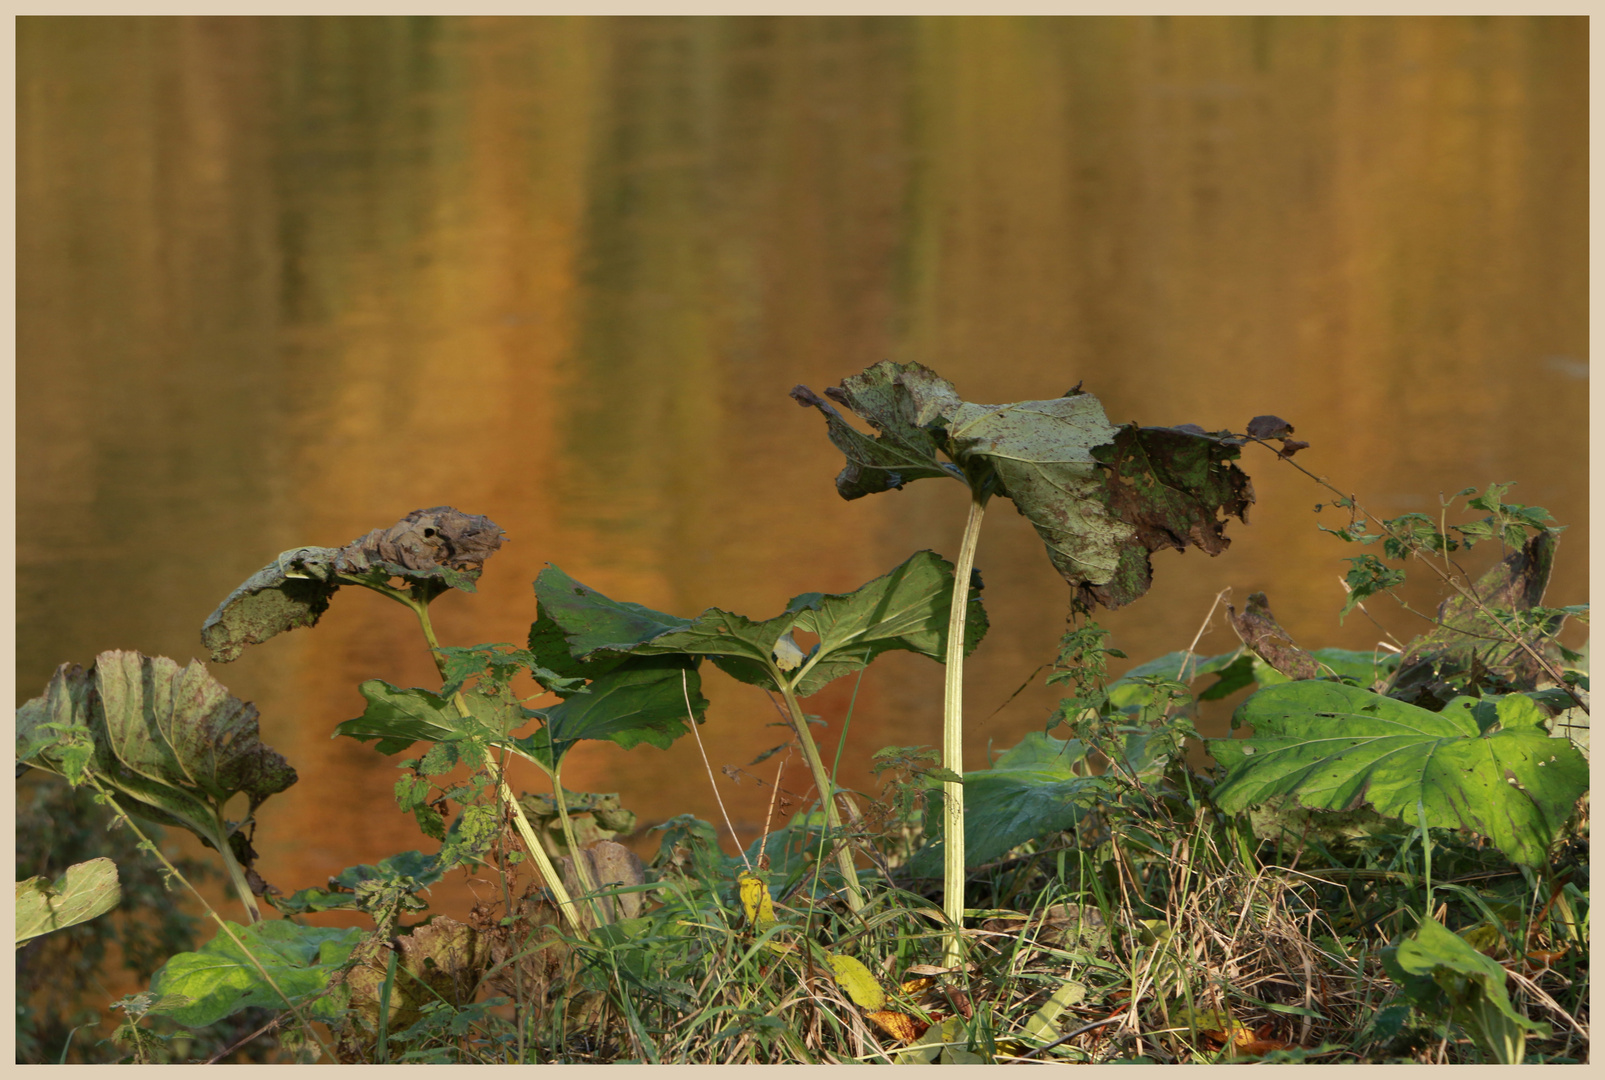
756 901
900 1026
1215 1023
856 979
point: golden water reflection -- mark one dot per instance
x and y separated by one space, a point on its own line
283 280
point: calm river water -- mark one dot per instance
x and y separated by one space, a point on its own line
283 280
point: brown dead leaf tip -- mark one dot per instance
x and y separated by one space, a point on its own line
1269 427
425 539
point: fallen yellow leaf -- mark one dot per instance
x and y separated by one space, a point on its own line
856 980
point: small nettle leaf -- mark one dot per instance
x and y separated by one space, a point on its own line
86 891
410 871
1101 498
168 742
439 548
1337 747
496 668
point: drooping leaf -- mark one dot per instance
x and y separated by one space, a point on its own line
1487 766
1101 498
642 700
1032 791
906 608
285 594
591 622
219 979
441 547
168 741
1443 974
86 891
1174 487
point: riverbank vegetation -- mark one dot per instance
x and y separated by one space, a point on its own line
1385 861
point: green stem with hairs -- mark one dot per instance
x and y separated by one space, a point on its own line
827 793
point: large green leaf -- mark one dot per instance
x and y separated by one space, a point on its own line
219 980
1101 498
439 548
1488 766
167 740
1033 790
86 891
904 609
642 700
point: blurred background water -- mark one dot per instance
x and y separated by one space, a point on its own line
282 280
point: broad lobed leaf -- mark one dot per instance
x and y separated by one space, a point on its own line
1488 766
906 608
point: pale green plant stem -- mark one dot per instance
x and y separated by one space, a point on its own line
953 740
145 841
236 873
532 844
827 795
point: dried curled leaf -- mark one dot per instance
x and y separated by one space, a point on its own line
1264 635
442 545
425 540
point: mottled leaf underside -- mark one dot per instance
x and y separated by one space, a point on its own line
1102 498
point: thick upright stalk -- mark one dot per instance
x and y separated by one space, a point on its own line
827 795
953 739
